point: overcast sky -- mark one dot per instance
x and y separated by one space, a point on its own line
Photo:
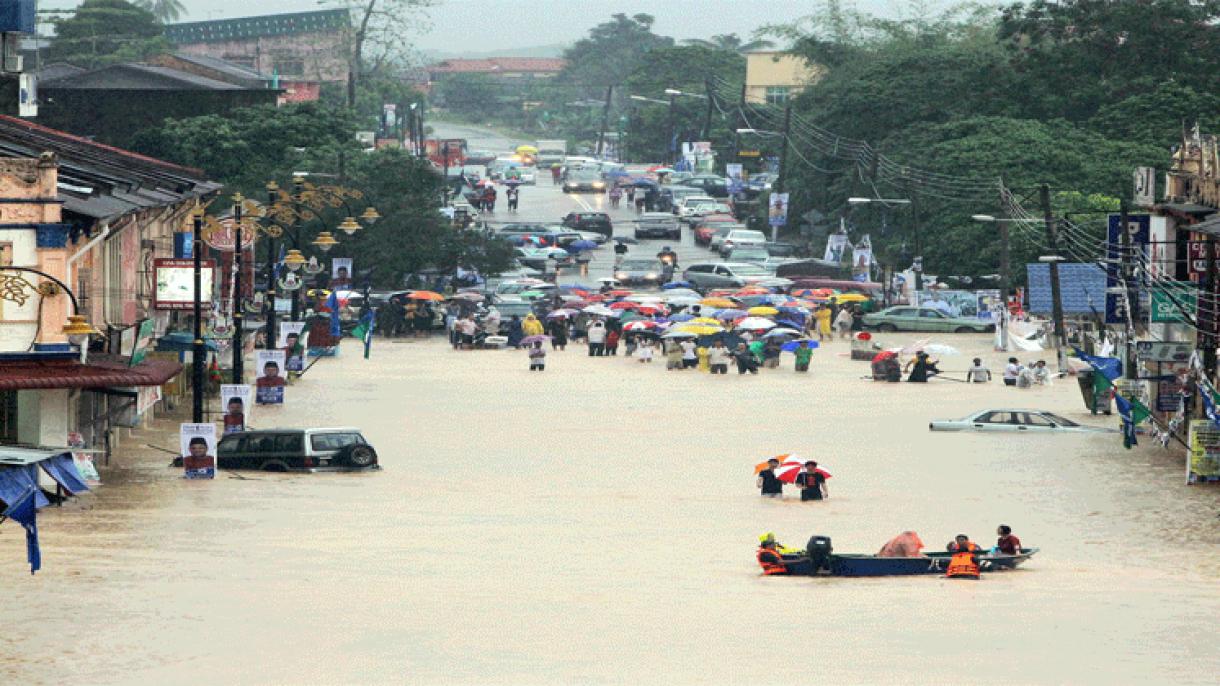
488 25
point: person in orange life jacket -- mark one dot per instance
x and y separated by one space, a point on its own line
769 557
965 562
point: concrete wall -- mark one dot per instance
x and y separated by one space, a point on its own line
324 55
42 416
29 196
776 69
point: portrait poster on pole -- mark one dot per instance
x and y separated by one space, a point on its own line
270 381
235 400
290 342
340 273
198 450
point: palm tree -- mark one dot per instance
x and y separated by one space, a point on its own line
165 11
730 42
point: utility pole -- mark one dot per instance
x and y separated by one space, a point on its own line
1052 242
783 166
918 262
1131 298
238 314
198 354
741 106
269 328
1206 340
707 117
672 144
601 135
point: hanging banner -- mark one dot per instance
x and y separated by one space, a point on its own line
836 246
140 339
1203 459
236 400
777 209
862 259
340 273
1139 228
736 181
198 443
290 343
270 381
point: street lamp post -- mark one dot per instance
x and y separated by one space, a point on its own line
238 313
198 353
917 260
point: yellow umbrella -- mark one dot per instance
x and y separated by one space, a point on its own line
849 298
722 303
527 150
762 311
698 329
705 320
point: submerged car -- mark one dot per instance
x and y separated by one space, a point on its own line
1036 421
297 450
907 318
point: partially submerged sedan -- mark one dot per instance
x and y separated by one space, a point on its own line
1031 421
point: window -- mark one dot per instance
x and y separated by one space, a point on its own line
701 268
229 444
1060 420
901 312
289 444
290 66
722 271
931 314
777 95
260 444
1033 419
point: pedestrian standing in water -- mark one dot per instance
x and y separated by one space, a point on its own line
768 483
557 328
673 355
612 338
690 355
537 355
843 322
803 355
978 373
812 482
597 339
644 351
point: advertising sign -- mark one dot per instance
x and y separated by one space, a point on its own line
1203 460
1168 303
836 246
777 209
340 273
1139 228
290 342
862 258
1158 351
734 172
175 281
224 236
235 400
270 382
198 444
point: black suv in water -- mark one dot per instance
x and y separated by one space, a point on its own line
589 221
296 450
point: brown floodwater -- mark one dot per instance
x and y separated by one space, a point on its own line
596 523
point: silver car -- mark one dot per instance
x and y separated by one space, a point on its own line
646 272
1028 421
725 274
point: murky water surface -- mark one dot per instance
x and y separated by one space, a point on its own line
596 524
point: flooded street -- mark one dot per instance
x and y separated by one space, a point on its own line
597 524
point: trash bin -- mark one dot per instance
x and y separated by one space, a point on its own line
1092 402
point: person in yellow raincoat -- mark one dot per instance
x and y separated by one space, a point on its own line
822 315
531 326
703 363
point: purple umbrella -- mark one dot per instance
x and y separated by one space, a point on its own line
730 314
530 340
561 313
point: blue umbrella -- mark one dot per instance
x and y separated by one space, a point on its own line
793 345
645 183
578 246
677 284
776 333
681 317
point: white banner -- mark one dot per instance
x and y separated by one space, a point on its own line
236 401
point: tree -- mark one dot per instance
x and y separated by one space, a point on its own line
165 11
380 35
730 42
103 32
611 52
470 95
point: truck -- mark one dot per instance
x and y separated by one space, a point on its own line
446 152
551 152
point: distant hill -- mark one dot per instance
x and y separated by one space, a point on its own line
526 51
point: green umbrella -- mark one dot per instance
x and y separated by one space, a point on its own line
533 294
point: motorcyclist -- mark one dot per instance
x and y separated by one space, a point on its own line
669 262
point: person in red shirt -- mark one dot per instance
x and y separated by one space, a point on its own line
1007 543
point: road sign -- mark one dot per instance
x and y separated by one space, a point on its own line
1164 307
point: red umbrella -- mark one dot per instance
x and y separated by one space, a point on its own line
787 471
620 293
883 355
641 325
624 305
650 309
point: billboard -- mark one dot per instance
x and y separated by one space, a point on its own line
1139 228
175 281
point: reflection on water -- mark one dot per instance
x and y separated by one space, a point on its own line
596 523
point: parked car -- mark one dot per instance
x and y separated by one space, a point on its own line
740 237
747 253
296 450
714 186
692 211
676 194
512 289
725 274
1033 421
589 221
781 249
598 238
722 232
584 181
705 227
689 201
907 318
658 225
645 272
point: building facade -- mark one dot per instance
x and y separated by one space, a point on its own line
775 76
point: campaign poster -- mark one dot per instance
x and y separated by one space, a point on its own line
1203 460
340 273
736 182
270 381
777 209
836 247
862 259
290 342
235 400
198 450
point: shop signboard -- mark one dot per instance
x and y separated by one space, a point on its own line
1168 303
1139 227
1203 458
175 280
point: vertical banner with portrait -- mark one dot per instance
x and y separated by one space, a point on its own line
290 342
340 273
235 400
862 259
270 380
777 209
736 182
836 246
198 450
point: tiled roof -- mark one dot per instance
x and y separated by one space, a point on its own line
29 374
219 30
138 76
222 66
1082 288
493 65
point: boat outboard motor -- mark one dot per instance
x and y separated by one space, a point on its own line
819 550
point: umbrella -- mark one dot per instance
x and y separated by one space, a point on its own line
680 292
650 309
578 246
625 239
787 471
530 340
940 349
683 301
729 339
778 333
639 326
729 314
706 320
698 329
677 333
682 317
791 346
762 311
915 347
426 295
620 293
628 315
717 302
599 310
754 323
752 290
849 298
527 150
686 285
561 313
624 305
644 183
884 355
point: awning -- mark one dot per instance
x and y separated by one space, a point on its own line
15 481
179 342
60 373
63 470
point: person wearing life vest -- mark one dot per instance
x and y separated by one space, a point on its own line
965 561
769 557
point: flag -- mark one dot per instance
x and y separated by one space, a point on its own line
1208 392
364 330
1132 412
332 304
1109 367
25 513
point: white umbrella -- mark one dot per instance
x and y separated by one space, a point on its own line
679 334
915 347
940 349
752 323
600 310
774 333
675 293
684 301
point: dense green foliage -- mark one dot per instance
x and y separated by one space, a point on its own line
104 32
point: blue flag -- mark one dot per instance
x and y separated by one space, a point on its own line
1209 401
1109 367
332 304
25 513
370 323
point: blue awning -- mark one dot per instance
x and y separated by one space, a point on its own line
15 481
63 470
180 342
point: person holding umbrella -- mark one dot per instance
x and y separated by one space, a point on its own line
537 355
812 482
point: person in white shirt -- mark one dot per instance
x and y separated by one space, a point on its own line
644 352
843 322
978 373
718 358
1042 375
690 356
1011 372
597 339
